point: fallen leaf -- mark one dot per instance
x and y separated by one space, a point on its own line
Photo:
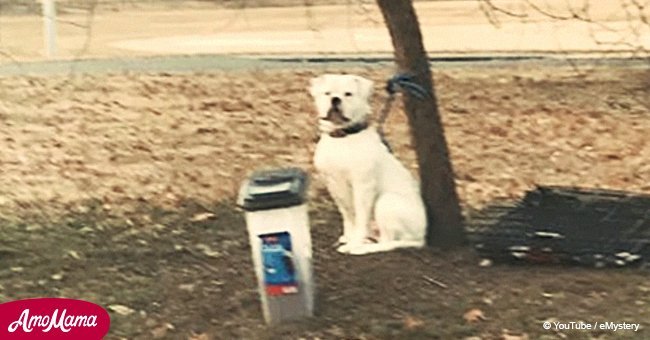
86 230
73 254
202 217
33 227
159 332
159 227
411 322
188 287
515 337
121 310
202 336
510 335
207 251
485 263
336 332
474 315
57 277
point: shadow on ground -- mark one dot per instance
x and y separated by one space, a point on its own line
186 273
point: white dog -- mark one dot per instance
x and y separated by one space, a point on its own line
365 180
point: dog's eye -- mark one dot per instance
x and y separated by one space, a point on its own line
327 93
348 94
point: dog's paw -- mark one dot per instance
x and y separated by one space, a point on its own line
341 241
344 249
358 250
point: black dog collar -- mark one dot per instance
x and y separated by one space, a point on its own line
350 130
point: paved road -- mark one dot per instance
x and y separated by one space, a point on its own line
174 63
203 63
456 33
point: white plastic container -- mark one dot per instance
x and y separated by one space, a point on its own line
278 227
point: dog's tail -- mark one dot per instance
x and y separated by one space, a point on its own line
385 246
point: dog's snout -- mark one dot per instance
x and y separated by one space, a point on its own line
336 101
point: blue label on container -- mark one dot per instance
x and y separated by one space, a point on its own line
279 269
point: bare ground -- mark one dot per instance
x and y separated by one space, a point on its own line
105 180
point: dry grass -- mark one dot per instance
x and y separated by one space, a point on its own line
114 167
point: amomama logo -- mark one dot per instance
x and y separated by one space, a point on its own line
53 318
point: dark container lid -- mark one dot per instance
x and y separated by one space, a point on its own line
273 189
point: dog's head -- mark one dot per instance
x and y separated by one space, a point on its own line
341 100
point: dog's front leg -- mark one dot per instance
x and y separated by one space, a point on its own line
365 192
347 213
341 191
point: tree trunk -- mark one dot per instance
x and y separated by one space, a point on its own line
445 228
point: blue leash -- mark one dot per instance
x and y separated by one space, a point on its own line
405 82
398 83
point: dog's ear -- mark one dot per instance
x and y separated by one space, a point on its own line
365 86
315 84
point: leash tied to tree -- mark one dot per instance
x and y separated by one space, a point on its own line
398 83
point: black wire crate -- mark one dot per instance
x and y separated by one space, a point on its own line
569 225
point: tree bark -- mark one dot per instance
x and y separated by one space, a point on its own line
445 224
